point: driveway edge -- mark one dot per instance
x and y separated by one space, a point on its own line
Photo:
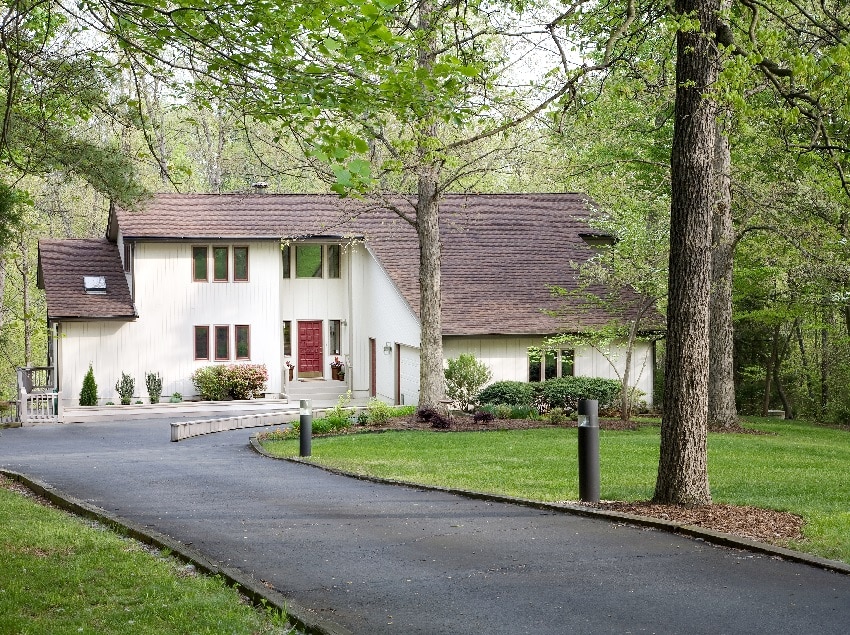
691 531
260 595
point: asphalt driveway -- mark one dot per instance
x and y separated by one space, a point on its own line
377 558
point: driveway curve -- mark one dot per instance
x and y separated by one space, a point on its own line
377 558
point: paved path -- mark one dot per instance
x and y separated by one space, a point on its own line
382 559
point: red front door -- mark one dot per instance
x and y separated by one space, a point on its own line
310 348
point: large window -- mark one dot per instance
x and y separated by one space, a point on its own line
240 264
549 363
243 341
333 261
222 342
308 261
199 264
202 342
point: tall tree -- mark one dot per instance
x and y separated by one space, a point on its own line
682 467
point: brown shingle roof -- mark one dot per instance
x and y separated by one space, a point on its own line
62 266
500 251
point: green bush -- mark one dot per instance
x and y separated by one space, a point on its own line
509 392
379 412
210 383
235 381
88 395
340 415
557 416
565 392
465 376
153 381
125 387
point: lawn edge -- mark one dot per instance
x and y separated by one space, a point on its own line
260 595
691 531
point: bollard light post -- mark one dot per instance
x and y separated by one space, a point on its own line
305 422
588 450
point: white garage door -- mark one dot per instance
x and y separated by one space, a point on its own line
408 375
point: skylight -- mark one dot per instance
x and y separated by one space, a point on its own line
95 285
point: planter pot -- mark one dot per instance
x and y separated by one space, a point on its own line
291 374
337 373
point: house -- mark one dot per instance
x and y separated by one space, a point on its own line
296 282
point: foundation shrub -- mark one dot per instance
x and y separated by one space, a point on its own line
509 392
565 392
235 381
465 376
88 395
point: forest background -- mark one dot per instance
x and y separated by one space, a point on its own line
109 101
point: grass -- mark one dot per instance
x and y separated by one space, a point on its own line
61 574
798 467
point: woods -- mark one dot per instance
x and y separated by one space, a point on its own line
711 135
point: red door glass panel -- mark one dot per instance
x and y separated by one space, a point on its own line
310 346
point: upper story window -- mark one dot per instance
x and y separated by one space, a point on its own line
220 268
333 261
308 261
221 263
199 264
286 257
240 264
128 257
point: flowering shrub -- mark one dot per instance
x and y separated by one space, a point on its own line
236 381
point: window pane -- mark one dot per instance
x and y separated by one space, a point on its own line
333 327
567 363
199 264
287 337
286 255
534 356
128 255
243 349
202 342
240 264
551 365
308 261
222 342
333 261
220 264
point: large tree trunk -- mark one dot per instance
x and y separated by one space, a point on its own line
682 467
431 377
722 412
772 361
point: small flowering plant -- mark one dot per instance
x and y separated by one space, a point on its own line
289 364
336 363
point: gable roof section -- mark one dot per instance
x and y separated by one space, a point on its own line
500 251
62 267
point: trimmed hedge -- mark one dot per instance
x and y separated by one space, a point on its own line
564 392
510 393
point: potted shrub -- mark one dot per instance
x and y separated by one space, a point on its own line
88 395
337 370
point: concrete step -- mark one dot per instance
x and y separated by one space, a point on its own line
175 411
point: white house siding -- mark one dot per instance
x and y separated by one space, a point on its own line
380 313
507 358
169 304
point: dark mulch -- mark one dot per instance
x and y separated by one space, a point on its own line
463 423
764 525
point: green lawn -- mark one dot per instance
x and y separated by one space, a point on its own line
61 574
800 468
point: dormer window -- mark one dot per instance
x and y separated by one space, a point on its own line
95 285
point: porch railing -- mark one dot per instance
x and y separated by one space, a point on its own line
38 399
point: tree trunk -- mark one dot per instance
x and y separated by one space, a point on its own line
824 370
682 467
804 360
722 412
431 376
626 394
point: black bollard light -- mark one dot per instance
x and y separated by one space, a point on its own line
588 450
306 427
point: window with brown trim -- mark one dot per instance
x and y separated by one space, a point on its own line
334 338
222 343
240 264
287 337
243 341
220 268
200 264
333 261
128 257
286 258
202 342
